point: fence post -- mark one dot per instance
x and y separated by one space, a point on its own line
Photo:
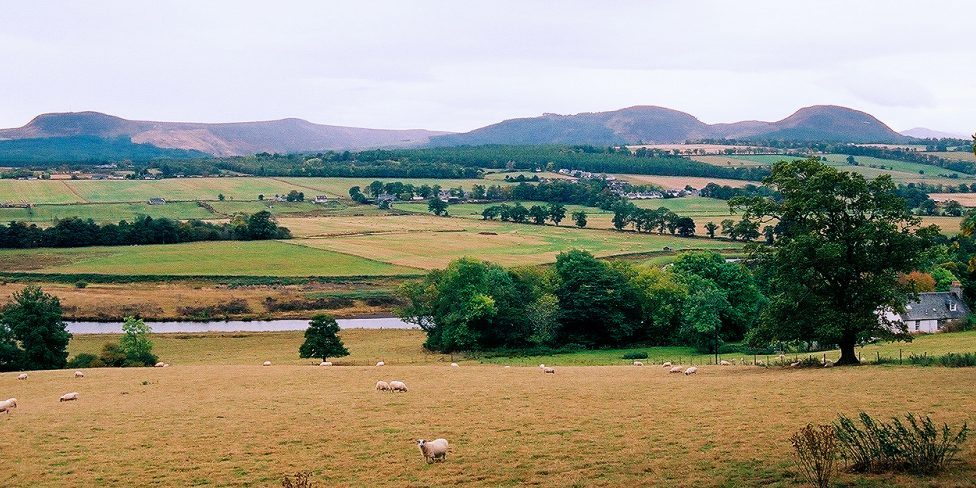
899 356
824 358
755 358
879 356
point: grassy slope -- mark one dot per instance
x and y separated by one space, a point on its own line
243 424
255 258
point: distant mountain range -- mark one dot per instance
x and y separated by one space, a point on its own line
659 125
230 139
925 133
72 136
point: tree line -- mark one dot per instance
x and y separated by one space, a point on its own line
77 232
581 301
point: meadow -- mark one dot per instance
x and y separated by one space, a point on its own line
216 417
901 172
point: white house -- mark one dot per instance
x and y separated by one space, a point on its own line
932 311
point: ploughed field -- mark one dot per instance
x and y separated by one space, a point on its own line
225 420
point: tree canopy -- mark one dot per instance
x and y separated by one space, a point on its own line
32 334
322 339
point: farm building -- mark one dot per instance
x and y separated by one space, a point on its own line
157 201
933 311
321 199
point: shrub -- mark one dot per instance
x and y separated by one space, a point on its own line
951 360
81 284
112 355
635 355
815 449
300 480
83 360
916 446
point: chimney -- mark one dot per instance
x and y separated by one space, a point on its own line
956 289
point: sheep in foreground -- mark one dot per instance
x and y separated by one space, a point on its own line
267 363
829 364
454 365
725 363
542 366
159 365
435 450
325 363
691 370
398 386
381 363
548 370
667 364
7 404
67 397
676 369
79 374
795 365
382 386
638 363
22 376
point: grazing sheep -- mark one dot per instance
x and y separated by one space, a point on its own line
267 363
159 365
79 374
381 363
691 370
795 365
829 364
676 369
638 363
725 363
548 370
325 363
454 365
22 376
165 365
542 366
398 386
382 386
7 404
67 397
667 364
435 450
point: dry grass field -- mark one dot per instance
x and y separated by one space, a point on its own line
965 199
232 422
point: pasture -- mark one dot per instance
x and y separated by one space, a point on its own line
901 171
221 258
222 419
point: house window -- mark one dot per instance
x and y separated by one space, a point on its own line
952 307
917 327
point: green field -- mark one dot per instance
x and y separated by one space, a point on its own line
224 258
902 171
105 212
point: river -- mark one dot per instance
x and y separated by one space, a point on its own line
236 326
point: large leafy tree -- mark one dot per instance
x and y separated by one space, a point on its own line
840 243
135 343
33 319
736 284
322 339
598 304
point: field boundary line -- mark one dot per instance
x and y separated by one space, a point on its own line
281 180
74 192
357 256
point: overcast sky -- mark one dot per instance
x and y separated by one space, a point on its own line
459 65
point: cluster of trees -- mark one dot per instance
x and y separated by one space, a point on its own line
134 349
581 301
648 220
76 232
726 192
537 214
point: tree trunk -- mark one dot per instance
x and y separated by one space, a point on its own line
848 356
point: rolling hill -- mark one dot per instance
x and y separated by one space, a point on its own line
650 124
227 139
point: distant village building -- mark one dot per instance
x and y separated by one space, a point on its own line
932 311
157 201
321 199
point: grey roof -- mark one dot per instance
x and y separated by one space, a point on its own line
935 306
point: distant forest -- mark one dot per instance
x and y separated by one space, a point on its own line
84 149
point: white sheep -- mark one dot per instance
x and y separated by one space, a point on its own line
382 386
638 363
795 365
667 364
159 365
7 404
435 450
22 376
267 363
398 386
165 365
676 369
691 370
829 364
79 374
67 397
454 365
549 370
725 363
325 363
381 363
542 366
